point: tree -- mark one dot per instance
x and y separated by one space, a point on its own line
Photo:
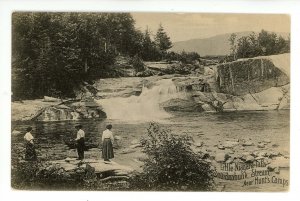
244 47
162 40
267 41
232 42
150 51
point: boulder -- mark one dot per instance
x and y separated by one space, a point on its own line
117 169
198 144
248 143
260 145
266 141
230 144
221 157
15 132
221 147
51 99
135 141
273 154
249 158
182 105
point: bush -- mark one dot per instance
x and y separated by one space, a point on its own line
137 63
171 164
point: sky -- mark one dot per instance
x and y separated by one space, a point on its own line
185 26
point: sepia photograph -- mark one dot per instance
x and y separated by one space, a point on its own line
140 101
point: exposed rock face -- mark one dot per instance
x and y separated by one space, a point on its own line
249 76
55 113
71 111
248 84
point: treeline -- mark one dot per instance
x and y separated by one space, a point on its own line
263 43
53 53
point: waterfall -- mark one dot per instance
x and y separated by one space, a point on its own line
145 107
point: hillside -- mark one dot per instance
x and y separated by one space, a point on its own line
216 45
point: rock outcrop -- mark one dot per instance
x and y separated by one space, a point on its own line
247 84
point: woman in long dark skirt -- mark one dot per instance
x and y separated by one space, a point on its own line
107 143
30 154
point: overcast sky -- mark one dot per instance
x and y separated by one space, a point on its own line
182 26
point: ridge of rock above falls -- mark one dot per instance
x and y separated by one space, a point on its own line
253 75
260 83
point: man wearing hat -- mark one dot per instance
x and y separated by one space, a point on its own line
80 142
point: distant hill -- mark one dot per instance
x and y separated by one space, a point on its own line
216 45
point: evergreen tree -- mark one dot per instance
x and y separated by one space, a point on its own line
162 40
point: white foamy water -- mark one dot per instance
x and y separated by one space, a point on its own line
145 107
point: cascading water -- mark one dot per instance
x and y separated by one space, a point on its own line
145 107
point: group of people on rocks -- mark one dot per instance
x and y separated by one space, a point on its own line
107 144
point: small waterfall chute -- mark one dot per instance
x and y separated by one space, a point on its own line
145 107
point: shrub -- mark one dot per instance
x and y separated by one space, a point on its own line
137 63
171 164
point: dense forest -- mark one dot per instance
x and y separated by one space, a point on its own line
53 53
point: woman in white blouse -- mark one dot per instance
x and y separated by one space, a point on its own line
107 143
30 153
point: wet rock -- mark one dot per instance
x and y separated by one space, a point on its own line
118 137
182 105
249 158
142 157
15 132
230 160
230 144
248 143
198 144
273 154
135 141
221 157
260 154
260 145
63 107
266 141
51 99
135 146
221 147
246 155
127 151
117 169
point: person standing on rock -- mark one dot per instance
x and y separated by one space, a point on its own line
80 142
107 143
30 154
